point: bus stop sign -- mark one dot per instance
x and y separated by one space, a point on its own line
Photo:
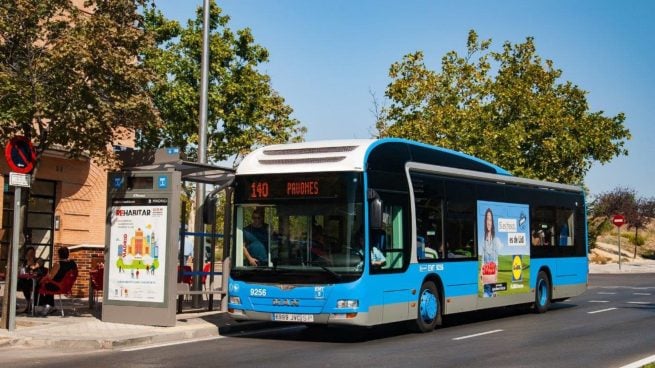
618 220
20 155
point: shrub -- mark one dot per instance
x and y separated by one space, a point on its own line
640 240
650 254
605 227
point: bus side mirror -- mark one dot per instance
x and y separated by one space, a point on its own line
375 210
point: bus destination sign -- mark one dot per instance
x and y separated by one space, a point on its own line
257 188
292 188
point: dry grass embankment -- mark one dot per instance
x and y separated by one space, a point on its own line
607 245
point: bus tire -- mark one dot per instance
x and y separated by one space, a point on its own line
429 308
542 293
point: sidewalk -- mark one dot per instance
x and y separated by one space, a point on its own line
628 265
84 330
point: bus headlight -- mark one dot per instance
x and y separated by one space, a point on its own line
235 300
347 303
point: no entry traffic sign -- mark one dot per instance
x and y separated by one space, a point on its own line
20 155
618 220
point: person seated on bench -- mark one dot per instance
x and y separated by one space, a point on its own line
56 274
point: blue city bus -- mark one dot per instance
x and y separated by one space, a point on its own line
369 232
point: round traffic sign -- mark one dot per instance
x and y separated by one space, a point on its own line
618 220
20 155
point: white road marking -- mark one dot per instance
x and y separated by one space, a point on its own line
641 363
641 303
641 294
601 310
477 334
606 293
153 346
599 301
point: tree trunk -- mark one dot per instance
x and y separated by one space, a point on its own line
634 255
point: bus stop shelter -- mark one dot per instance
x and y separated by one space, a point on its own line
143 258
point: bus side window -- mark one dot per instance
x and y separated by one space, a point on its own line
390 240
460 220
428 202
565 222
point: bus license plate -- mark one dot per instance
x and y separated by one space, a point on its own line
289 317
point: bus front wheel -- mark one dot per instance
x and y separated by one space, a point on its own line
429 308
542 293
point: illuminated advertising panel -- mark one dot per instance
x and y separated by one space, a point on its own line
137 256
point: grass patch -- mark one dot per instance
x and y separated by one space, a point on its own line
639 240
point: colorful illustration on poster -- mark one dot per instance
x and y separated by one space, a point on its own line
503 248
137 253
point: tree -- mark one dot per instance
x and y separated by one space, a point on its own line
505 107
243 109
638 211
617 201
73 79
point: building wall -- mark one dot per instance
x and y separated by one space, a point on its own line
80 204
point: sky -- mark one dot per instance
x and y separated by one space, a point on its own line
328 58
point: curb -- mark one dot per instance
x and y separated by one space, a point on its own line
108 344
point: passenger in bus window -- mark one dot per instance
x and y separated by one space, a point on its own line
256 238
320 249
536 239
547 240
564 234
377 257
254 251
258 227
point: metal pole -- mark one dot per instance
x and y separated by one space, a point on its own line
202 150
204 86
619 247
227 237
9 309
212 262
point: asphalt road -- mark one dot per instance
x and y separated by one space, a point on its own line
611 325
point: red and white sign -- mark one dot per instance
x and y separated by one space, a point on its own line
20 155
618 220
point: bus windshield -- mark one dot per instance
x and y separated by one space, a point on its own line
298 229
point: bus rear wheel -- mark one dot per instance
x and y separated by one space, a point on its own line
429 308
542 293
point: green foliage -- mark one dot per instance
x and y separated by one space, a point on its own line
605 226
506 107
638 211
73 79
617 201
638 240
650 254
243 109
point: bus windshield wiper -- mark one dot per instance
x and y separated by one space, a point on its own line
276 269
332 273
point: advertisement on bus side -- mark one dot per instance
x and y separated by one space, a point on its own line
503 248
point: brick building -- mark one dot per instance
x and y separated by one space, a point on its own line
66 207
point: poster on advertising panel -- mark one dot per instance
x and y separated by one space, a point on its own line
137 256
503 248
